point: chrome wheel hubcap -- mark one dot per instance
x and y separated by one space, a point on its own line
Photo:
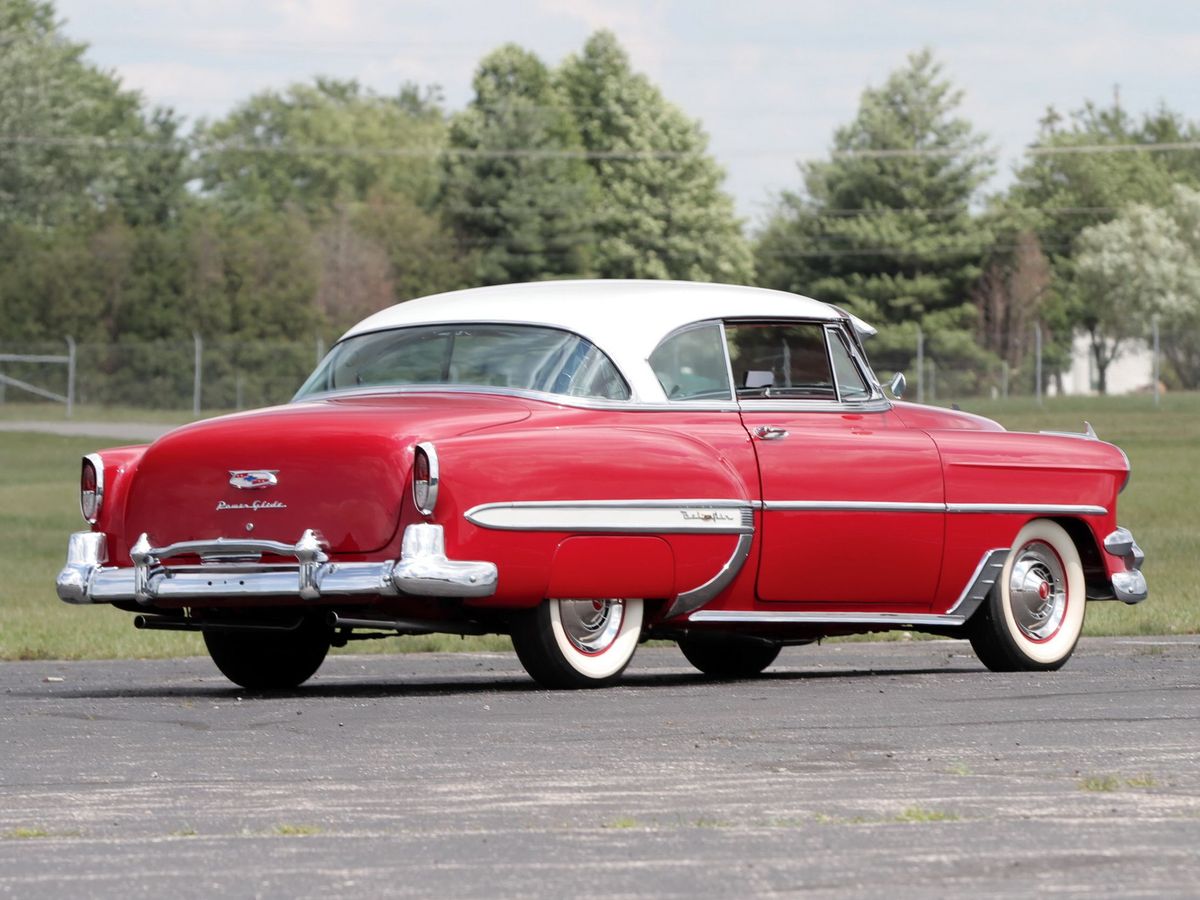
1037 591
591 625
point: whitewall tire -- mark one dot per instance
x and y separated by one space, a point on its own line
578 643
1033 616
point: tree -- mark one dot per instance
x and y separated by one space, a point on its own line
1144 264
664 214
1070 185
1010 295
517 190
316 144
71 139
884 226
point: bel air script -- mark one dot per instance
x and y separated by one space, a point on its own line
255 506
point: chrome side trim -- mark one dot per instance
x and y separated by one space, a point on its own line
850 506
690 601
973 594
896 620
1042 509
617 516
986 574
1039 509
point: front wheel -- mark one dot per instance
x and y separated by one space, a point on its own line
269 659
728 656
1033 616
578 643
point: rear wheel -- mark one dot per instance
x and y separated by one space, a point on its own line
1032 618
578 643
728 656
269 659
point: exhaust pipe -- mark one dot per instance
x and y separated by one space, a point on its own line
179 623
407 626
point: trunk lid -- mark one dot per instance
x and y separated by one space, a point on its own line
338 466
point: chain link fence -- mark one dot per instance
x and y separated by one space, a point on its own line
194 375
216 375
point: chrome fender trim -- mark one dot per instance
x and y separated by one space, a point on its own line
690 601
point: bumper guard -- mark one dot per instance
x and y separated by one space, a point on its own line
1128 586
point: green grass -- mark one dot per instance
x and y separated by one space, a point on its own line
39 508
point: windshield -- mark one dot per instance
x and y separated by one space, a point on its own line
518 357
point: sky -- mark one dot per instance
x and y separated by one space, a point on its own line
769 80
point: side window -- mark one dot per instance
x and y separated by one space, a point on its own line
690 364
776 360
850 382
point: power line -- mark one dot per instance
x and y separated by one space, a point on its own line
100 142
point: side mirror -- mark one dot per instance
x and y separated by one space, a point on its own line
897 385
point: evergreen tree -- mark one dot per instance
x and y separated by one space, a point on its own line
664 214
884 227
517 190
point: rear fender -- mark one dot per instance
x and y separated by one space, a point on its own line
616 465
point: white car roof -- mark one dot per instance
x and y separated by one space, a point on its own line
625 319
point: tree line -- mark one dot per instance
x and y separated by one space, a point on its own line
309 206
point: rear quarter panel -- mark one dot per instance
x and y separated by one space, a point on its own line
579 456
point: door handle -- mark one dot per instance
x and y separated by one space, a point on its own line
770 433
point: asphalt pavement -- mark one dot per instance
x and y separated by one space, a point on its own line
853 769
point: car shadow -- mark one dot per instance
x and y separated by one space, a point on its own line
457 685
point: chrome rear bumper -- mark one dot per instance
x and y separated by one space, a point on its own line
229 568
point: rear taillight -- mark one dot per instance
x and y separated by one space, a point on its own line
425 478
91 487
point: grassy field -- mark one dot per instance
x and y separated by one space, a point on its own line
39 507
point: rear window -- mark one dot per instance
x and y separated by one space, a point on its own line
517 357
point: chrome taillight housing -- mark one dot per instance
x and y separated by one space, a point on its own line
425 478
91 487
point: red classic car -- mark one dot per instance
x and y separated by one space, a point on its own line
585 465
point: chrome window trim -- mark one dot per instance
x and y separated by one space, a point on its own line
834 331
616 516
825 336
97 464
431 500
481 388
699 323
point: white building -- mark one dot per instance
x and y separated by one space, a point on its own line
1131 372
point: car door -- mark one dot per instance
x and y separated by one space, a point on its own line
853 501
